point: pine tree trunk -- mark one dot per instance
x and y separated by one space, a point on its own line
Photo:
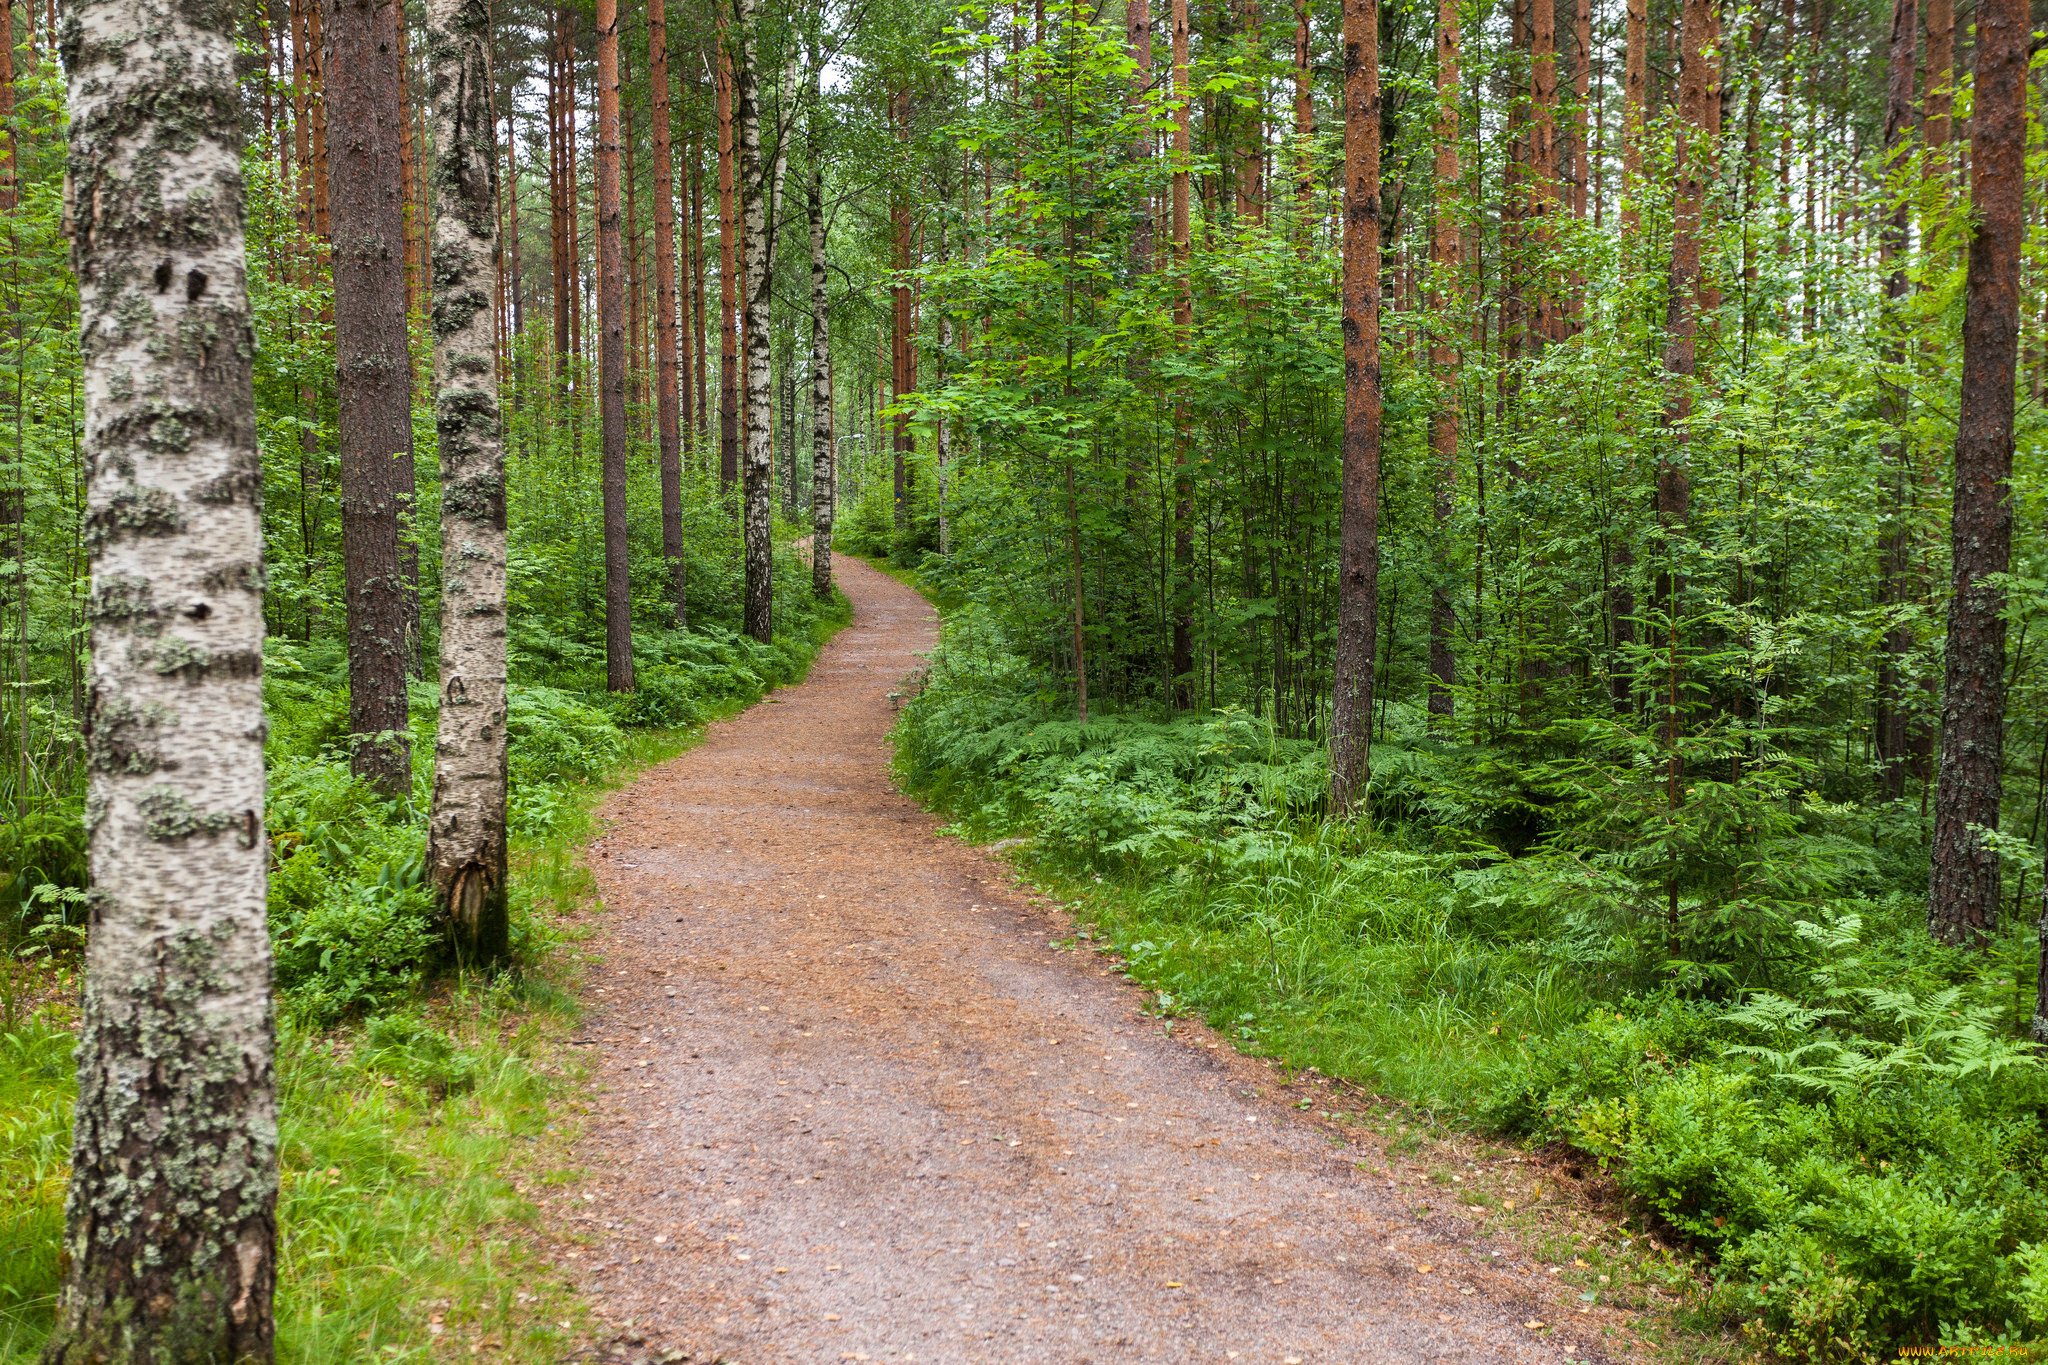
824 483
1138 37
171 1227
466 850
1358 540
1181 664
611 360
758 189
1635 92
373 420
669 420
1895 547
1447 264
728 276
1304 122
1964 890
1543 171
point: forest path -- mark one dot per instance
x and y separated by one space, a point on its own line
851 1103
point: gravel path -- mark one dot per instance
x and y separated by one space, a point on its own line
853 1104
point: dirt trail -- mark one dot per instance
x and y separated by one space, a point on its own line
853 1105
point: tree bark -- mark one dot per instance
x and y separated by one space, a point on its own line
1358 541
373 419
1895 548
728 275
171 1227
903 336
1447 263
1181 664
1543 171
1635 90
1304 122
1964 889
1138 37
611 360
758 190
466 844
666 382
824 482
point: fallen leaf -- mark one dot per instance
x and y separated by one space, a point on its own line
1424 1268
1173 1284
1534 1324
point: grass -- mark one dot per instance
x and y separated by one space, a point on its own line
414 1145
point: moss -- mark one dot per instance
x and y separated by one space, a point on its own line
169 818
134 510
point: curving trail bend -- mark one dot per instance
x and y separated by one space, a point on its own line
851 1104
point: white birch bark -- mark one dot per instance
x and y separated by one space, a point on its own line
171 1222
467 826
757 472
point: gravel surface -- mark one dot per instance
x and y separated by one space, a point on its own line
852 1102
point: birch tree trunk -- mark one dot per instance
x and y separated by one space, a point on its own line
1358 543
611 360
373 411
824 480
757 476
171 1218
1964 891
466 846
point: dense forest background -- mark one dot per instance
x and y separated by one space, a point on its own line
1641 859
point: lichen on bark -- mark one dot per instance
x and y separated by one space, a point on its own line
171 1212
466 849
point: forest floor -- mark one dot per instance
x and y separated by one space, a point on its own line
859 1096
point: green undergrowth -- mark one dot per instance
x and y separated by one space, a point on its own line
420 1112
1840 1119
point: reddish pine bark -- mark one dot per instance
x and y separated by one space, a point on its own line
373 419
1964 890
1181 664
728 276
1893 742
611 361
1447 263
1358 547
668 419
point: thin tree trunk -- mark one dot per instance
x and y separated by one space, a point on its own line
1635 89
374 381
1180 667
611 361
903 338
1964 888
1895 547
1358 541
466 831
758 187
1544 170
1138 37
728 274
1447 264
171 1226
666 383
1304 121
1698 100
824 485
